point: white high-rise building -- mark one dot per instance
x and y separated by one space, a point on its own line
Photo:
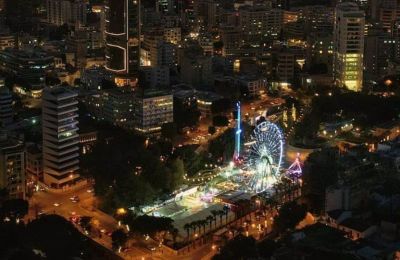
71 12
60 137
348 46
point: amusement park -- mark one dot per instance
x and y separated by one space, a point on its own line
254 176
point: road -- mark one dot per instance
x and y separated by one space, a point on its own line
46 202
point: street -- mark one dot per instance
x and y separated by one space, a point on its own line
60 203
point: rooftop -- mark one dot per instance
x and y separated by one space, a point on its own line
356 224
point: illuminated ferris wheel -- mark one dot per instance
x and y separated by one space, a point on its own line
265 156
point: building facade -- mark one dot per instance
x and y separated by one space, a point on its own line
29 67
12 166
60 137
153 108
348 46
6 109
71 12
123 40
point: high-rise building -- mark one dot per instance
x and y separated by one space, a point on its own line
34 163
71 12
77 45
160 52
165 6
29 66
123 40
12 166
156 76
286 65
6 111
396 38
260 23
153 108
385 12
379 50
348 46
118 106
231 38
60 137
19 14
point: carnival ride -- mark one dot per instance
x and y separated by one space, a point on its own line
295 171
265 156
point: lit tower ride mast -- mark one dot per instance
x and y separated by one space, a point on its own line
238 132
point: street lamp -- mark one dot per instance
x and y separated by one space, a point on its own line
121 211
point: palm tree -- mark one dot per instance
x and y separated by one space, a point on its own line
210 219
193 226
226 211
197 224
174 233
204 223
220 214
214 213
187 227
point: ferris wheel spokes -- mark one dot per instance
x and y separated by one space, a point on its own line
265 156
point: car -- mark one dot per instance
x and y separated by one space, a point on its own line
89 191
151 248
74 198
41 212
56 204
75 219
126 249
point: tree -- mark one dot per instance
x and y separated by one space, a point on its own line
204 224
151 225
221 106
187 227
211 130
120 152
118 238
185 115
241 247
290 214
221 213
174 233
169 131
15 208
193 162
175 178
226 213
267 247
56 237
210 219
220 121
214 215
84 222
223 145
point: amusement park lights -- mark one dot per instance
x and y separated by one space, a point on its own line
238 132
265 156
295 171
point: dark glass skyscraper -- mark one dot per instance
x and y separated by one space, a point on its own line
123 40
